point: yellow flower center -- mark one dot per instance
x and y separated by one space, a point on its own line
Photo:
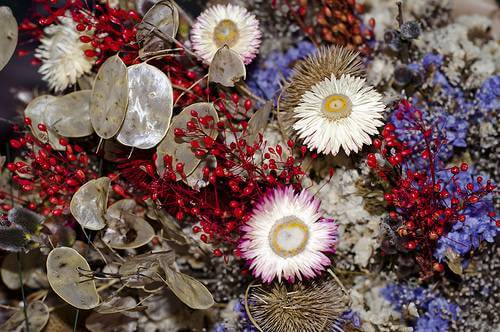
289 237
336 106
226 33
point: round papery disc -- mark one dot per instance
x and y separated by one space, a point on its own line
163 16
88 204
36 110
108 102
68 115
8 35
150 104
66 270
226 68
179 149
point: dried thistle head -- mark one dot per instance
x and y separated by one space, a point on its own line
327 61
306 307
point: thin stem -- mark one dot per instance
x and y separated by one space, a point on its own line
190 87
244 87
25 303
75 323
300 23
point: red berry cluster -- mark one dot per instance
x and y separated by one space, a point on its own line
50 176
334 21
244 172
113 30
423 206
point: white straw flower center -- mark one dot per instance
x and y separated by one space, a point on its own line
226 33
289 236
336 106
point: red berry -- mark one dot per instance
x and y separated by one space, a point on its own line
438 267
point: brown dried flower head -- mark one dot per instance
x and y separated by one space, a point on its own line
306 306
327 60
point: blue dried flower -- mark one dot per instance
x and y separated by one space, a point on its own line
265 77
431 59
477 226
488 95
351 316
436 313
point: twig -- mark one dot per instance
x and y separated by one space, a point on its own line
244 87
189 88
25 303
75 323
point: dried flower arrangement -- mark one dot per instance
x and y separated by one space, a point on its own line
285 165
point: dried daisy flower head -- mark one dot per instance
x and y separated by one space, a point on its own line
302 307
328 103
63 54
228 25
287 238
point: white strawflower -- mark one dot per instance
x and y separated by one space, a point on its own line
287 237
337 113
62 54
228 25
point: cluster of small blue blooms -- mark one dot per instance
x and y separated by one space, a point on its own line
485 100
452 127
450 130
267 74
488 95
478 225
244 321
351 317
435 312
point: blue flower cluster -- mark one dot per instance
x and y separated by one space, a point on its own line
247 326
435 312
450 129
266 75
477 227
488 95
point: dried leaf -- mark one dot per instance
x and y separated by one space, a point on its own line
108 103
141 270
38 316
160 20
258 122
127 233
116 322
189 290
179 148
150 105
30 263
171 229
454 261
60 235
88 204
117 304
13 239
226 67
64 267
163 306
8 35
27 220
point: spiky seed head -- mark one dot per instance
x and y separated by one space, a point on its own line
325 62
305 306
